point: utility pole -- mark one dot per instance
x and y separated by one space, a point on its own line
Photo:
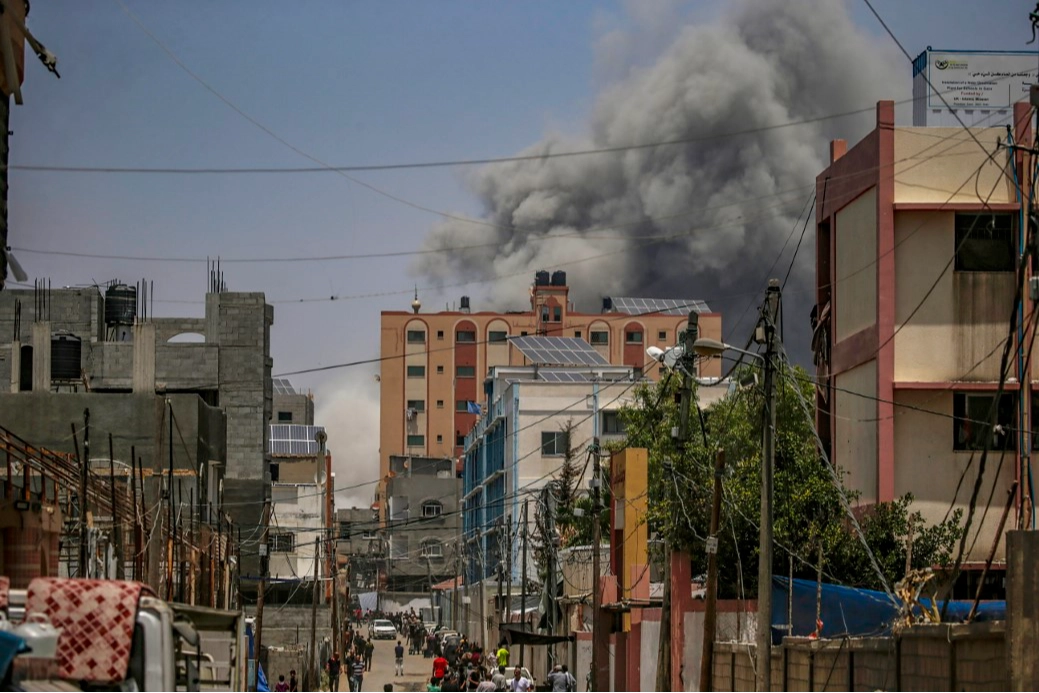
767 325
687 365
133 506
432 604
600 636
117 534
550 582
523 577
264 562
508 570
315 593
169 507
710 618
458 558
335 607
84 476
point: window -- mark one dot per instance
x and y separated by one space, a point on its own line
282 542
416 372
557 314
440 370
465 371
440 334
462 405
416 441
460 440
497 336
577 334
432 509
636 372
440 404
599 337
971 412
416 337
523 334
440 439
633 337
432 548
985 243
344 530
612 423
368 534
553 443
662 335
544 313
465 336
417 404
285 417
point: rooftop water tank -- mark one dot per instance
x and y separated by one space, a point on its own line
559 278
541 278
66 356
120 304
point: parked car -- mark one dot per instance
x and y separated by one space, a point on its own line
381 629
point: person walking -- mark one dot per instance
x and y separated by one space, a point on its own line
369 650
398 659
293 681
503 655
333 669
519 682
357 679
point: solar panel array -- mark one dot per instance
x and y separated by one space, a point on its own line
283 387
565 376
559 351
294 440
666 306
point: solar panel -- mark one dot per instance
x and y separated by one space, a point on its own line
565 376
667 306
559 351
294 439
282 386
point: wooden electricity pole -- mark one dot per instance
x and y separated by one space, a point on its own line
710 618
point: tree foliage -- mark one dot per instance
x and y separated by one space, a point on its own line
807 512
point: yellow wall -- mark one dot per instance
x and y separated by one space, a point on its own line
855 293
855 428
954 334
928 467
933 163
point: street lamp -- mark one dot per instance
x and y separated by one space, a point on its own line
765 332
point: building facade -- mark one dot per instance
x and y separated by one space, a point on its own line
422 529
68 343
359 549
519 444
918 235
433 365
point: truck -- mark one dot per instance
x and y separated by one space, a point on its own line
117 635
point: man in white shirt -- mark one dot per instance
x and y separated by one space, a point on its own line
519 682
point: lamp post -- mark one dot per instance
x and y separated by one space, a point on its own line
764 333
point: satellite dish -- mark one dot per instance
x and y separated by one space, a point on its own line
16 268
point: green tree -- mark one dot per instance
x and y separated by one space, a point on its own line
807 514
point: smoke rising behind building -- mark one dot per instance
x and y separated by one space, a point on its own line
706 218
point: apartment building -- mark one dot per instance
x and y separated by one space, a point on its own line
918 235
433 365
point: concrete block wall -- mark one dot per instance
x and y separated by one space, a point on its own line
110 366
186 366
167 328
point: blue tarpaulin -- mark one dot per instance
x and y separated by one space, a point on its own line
853 611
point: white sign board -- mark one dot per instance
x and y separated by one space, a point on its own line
979 80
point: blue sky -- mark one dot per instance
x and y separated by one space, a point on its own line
350 83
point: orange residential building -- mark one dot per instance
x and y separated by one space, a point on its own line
433 365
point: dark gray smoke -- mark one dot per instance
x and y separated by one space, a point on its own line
699 220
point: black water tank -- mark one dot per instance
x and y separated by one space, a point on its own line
607 304
66 355
465 303
120 304
541 278
559 278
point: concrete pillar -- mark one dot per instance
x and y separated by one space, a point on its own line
16 366
144 358
41 356
1023 609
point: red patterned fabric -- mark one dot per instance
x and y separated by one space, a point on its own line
96 618
5 592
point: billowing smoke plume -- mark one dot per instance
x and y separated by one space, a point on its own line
699 220
348 408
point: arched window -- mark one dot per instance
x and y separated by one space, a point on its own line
432 508
432 548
